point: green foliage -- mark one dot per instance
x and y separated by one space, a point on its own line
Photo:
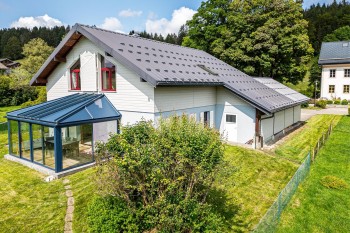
261 41
110 214
344 102
305 105
321 104
334 182
329 101
336 101
12 49
349 110
342 33
162 172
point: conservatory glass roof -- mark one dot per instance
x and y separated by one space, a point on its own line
74 109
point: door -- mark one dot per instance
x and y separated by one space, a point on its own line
231 127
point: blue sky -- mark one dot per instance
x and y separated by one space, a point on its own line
162 16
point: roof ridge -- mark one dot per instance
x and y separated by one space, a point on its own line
127 35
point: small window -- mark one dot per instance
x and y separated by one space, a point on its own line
347 73
230 118
346 89
331 88
108 75
75 76
206 118
332 73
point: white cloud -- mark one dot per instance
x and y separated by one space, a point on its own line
129 13
38 21
112 24
165 26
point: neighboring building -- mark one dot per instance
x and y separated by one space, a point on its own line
335 63
6 65
146 79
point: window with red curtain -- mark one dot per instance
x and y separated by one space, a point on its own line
75 76
108 75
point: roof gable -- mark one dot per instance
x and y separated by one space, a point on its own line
161 63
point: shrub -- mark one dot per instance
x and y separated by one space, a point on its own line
163 173
333 182
349 110
107 214
321 103
337 101
329 101
305 105
344 102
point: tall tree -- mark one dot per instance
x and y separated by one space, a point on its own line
13 48
342 33
260 37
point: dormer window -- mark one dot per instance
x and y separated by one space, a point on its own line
75 76
108 75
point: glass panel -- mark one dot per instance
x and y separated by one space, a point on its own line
230 118
75 79
105 74
77 145
14 142
102 130
49 143
25 140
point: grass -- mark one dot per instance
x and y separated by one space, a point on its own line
249 182
316 207
4 110
297 145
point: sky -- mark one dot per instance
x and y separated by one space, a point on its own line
161 16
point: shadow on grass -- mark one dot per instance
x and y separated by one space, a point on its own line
225 207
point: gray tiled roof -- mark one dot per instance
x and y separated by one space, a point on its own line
165 64
335 53
282 89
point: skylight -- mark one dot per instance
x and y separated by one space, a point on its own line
207 69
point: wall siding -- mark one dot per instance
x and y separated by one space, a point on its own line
229 103
288 117
339 81
297 113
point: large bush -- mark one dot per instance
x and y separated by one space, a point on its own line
336 101
321 103
344 102
163 173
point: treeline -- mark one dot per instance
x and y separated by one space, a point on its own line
172 38
324 19
12 40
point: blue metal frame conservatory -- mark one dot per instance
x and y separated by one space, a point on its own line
61 134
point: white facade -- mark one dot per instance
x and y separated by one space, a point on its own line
137 100
339 82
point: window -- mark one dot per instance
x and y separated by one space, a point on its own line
108 75
346 88
230 118
347 73
75 76
331 88
332 73
206 118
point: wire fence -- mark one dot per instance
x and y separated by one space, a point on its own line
3 126
269 222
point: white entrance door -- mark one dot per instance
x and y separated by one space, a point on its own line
231 127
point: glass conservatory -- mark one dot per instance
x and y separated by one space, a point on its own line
60 134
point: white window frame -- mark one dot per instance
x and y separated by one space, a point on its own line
346 73
348 91
229 122
329 89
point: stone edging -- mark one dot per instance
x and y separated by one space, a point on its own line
68 220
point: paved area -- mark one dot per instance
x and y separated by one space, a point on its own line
336 110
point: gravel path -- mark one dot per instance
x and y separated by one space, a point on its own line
333 109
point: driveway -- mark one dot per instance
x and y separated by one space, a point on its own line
333 109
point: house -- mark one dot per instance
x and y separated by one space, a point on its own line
335 63
138 79
6 65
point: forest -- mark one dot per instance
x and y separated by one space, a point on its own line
247 36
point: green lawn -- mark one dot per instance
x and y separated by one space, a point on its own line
27 203
299 143
250 182
316 208
4 110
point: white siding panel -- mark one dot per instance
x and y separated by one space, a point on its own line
88 71
297 113
57 83
229 103
288 117
267 128
130 118
176 98
278 122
